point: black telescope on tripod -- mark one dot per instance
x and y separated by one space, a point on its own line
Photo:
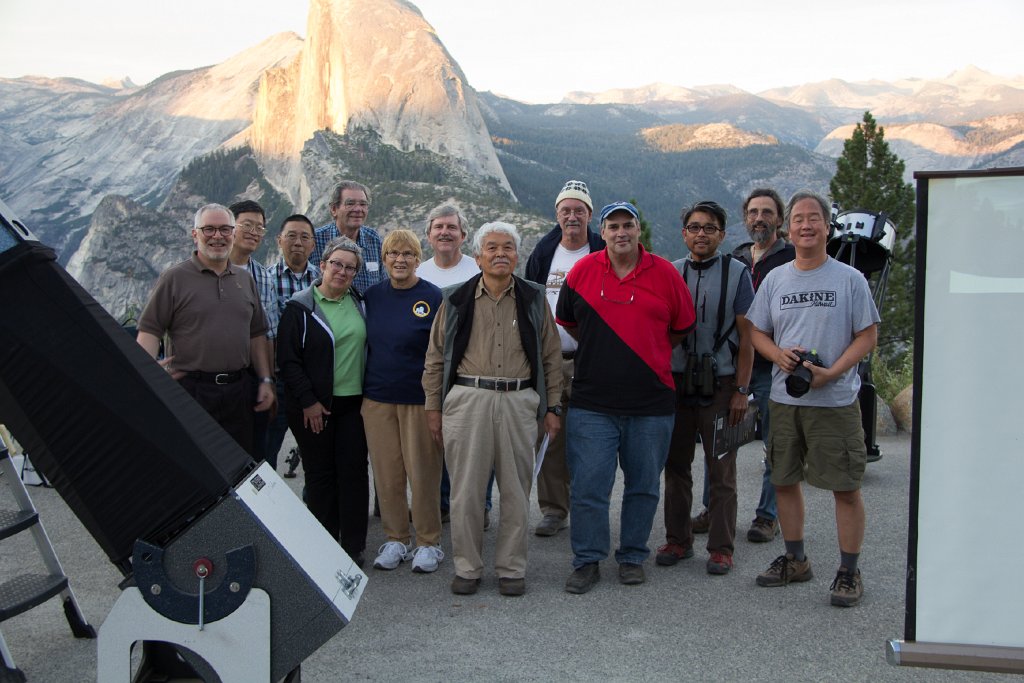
221 560
864 240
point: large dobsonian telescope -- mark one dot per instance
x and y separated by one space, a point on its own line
221 560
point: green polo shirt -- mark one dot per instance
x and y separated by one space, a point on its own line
349 330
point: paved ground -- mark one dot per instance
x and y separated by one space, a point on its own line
681 625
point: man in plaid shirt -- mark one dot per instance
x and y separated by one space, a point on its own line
293 273
350 202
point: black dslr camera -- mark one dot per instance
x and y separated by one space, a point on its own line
799 381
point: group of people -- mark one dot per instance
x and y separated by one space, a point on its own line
454 373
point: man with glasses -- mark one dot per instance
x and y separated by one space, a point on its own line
815 303
349 205
250 226
712 375
216 326
291 274
763 213
627 308
553 257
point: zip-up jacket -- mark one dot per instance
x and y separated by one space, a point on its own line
305 350
539 263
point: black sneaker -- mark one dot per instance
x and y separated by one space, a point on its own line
583 579
847 589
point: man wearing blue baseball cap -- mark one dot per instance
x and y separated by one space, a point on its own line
627 308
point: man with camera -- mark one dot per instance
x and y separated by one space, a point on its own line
711 369
815 306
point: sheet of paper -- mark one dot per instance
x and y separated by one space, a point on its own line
540 456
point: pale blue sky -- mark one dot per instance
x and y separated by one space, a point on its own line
537 50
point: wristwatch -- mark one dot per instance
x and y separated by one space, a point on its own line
557 410
743 390
267 380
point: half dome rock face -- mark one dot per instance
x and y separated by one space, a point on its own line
370 64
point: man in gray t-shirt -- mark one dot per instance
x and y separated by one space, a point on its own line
816 303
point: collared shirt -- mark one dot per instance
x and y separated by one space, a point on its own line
265 289
210 317
623 363
372 271
283 283
495 348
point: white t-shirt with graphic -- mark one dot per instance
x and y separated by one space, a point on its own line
561 263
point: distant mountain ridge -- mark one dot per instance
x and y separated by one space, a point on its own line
94 167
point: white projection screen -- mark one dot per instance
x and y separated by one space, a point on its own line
965 597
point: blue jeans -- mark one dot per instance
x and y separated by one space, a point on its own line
761 386
595 443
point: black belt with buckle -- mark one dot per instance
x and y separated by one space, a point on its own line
216 377
568 355
494 384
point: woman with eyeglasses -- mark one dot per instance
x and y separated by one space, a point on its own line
321 352
399 313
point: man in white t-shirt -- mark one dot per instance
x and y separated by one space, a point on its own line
446 231
552 258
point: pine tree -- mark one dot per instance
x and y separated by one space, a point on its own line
645 228
869 176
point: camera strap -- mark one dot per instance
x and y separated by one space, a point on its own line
719 337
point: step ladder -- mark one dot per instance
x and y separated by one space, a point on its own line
23 592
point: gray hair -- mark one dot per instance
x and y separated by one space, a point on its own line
446 210
197 222
348 185
799 196
343 244
491 228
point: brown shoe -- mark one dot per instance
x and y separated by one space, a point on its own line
847 589
785 569
464 586
583 579
631 574
551 525
763 530
701 523
511 586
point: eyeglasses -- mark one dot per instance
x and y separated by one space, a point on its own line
708 229
361 203
632 295
339 265
254 228
565 212
407 255
767 213
211 230
292 236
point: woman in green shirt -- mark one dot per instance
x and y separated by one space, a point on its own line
321 351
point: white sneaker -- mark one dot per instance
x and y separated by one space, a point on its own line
392 554
426 558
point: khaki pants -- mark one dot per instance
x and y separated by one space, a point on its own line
553 480
486 429
403 455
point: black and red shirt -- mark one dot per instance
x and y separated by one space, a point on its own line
623 363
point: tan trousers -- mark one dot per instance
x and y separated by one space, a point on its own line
553 480
486 429
403 455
